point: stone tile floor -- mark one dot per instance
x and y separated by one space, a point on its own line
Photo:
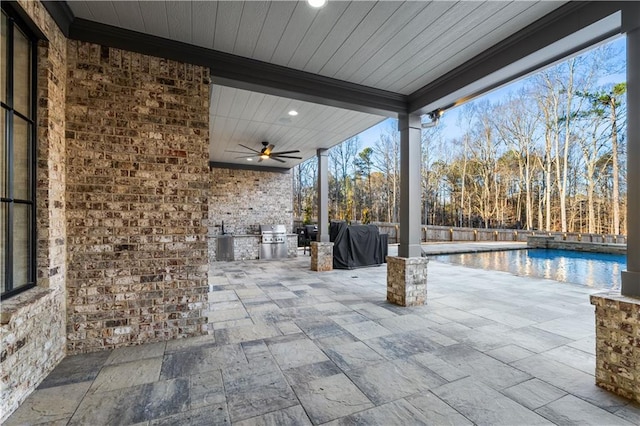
292 346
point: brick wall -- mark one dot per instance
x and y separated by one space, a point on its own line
32 330
244 199
137 187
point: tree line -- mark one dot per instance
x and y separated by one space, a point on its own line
549 155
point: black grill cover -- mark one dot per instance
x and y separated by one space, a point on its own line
357 245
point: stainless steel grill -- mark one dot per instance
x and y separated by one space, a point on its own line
273 242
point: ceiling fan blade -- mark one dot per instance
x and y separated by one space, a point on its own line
285 156
285 152
277 159
250 149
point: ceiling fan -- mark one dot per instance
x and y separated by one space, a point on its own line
267 153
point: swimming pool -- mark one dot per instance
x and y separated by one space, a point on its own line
597 270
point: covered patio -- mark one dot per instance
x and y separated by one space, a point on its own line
114 309
292 346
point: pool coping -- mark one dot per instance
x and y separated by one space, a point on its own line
478 250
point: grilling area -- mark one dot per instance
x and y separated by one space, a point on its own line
273 244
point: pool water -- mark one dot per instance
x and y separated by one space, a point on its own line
597 270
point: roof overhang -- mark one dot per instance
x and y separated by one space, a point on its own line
565 31
568 31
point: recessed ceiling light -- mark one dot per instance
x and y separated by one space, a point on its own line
293 113
317 3
249 159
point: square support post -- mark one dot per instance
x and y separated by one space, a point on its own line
322 249
410 165
618 314
631 277
323 195
407 273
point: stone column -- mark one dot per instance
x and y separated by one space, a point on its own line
407 273
322 249
617 323
321 256
407 280
618 314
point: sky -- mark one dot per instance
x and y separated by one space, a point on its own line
449 120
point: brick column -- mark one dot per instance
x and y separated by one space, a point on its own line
407 280
321 256
618 344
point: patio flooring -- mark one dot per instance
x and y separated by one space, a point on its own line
293 346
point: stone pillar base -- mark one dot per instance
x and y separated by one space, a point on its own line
321 256
407 280
618 344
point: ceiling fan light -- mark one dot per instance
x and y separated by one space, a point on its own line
264 156
317 3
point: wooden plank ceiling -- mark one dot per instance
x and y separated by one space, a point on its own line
389 45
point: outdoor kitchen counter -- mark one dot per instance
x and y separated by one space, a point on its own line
247 246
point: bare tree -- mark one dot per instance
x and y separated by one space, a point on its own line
386 159
305 189
545 157
433 144
517 122
341 158
548 105
612 101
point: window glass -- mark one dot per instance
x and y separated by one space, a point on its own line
3 58
3 158
21 73
21 244
3 245
21 161
17 155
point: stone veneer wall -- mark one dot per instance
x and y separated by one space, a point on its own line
137 187
321 256
32 326
407 280
244 199
246 248
618 344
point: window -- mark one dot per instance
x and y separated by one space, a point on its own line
17 156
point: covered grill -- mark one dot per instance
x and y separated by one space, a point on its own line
273 244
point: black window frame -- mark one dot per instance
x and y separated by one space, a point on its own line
14 20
